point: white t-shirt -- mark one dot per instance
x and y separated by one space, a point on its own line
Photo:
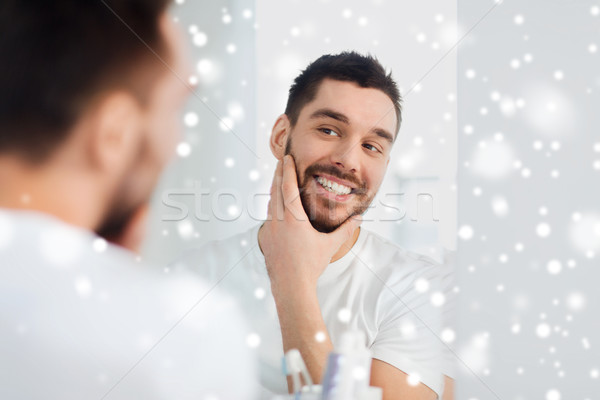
81 319
377 287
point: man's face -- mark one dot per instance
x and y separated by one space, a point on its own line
161 132
341 144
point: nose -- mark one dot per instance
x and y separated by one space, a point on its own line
346 156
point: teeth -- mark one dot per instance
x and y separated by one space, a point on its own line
333 186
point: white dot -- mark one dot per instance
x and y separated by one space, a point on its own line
413 379
184 149
259 293
253 340
421 285
594 373
226 124
185 229
483 111
559 75
254 175
519 247
320 337
438 18
233 210
226 19
543 211
99 245
543 230
231 48
190 119
421 37
543 330
592 48
229 162
295 31
344 315
596 164
83 286
418 141
552 394
247 13
347 13
525 172
470 74
363 21
519 19
495 96
515 63
448 335
465 232
500 206
408 330
520 370
538 145
575 301
554 173
477 191
438 299
200 39
528 58
515 328
503 258
554 267
595 10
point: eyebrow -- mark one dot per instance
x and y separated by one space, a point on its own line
329 113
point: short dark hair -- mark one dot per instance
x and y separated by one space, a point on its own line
364 70
58 55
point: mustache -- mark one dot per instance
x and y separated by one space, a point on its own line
315 169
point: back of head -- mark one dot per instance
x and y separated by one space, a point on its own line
58 56
365 71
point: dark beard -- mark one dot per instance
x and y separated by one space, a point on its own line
114 225
327 224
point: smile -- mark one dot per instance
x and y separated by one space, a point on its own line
333 187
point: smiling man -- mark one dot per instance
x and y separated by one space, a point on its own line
309 273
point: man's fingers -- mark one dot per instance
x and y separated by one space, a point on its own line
275 208
290 191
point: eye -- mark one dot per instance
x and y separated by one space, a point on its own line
370 147
329 132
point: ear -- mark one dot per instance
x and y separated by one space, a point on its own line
116 131
279 136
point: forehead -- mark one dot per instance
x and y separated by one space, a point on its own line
366 107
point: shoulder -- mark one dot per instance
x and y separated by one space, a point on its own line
390 258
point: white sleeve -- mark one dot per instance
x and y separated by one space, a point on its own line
409 326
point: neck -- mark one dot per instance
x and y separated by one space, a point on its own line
64 193
345 248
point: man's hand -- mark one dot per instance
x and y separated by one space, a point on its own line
295 253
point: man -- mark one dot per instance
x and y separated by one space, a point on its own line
89 110
309 273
